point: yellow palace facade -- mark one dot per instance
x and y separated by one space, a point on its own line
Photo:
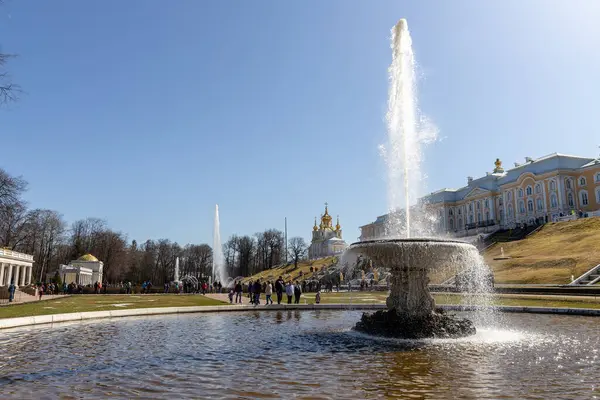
538 190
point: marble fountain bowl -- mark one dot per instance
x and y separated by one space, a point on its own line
411 309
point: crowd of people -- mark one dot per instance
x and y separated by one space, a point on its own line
292 290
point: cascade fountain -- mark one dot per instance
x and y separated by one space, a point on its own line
411 311
218 264
176 275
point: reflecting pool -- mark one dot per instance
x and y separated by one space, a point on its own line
303 354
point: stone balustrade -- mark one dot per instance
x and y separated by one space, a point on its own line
15 268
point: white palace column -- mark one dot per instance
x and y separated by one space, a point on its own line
1 274
30 268
22 275
16 272
10 274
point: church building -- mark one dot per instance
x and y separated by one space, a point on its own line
326 239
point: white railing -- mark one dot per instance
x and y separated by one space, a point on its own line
16 255
586 275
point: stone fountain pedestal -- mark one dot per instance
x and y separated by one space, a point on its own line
411 309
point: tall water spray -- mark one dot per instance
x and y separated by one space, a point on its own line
218 264
408 131
176 275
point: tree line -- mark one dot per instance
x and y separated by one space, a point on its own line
247 255
52 241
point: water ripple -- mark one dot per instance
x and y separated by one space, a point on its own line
294 354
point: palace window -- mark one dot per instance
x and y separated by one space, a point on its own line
478 217
540 204
509 196
530 206
538 188
459 223
553 201
583 196
500 201
459 211
582 181
522 207
552 185
487 203
598 195
451 221
598 177
470 206
487 216
510 210
478 205
529 191
501 215
521 193
471 218
570 200
450 212
568 183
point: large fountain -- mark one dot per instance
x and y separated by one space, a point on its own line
411 309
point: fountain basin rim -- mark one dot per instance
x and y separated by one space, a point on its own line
17 322
410 240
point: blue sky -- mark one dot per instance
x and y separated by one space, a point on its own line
147 113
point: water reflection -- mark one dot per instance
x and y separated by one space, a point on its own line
292 353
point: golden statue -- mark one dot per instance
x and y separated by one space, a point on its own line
498 165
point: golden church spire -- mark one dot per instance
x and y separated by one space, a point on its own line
337 226
315 227
326 218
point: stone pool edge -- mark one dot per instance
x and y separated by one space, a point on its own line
6 323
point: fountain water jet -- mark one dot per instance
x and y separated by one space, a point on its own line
176 274
411 308
218 264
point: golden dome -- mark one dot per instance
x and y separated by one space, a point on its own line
87 257
326 218
338 226
315 228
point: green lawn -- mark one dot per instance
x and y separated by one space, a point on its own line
80 303
452 298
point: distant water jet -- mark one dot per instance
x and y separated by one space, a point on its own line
218 261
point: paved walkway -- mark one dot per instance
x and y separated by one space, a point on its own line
22 297
246 300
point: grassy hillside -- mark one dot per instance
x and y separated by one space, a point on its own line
551 255
290 272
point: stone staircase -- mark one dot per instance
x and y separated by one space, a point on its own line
590 278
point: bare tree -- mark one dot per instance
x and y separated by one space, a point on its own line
14 220
297 249
11 188
8 90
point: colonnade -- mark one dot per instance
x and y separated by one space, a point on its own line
18 274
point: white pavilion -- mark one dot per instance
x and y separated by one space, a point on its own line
86 270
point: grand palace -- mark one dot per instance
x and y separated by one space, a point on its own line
538 190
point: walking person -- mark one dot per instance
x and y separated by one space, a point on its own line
279 287
11 292
238 292
251 292
297 293
41 290
289 291
257 288
268 293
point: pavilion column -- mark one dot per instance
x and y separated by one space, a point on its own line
1 274
23 273
30 268
16 269
10 274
